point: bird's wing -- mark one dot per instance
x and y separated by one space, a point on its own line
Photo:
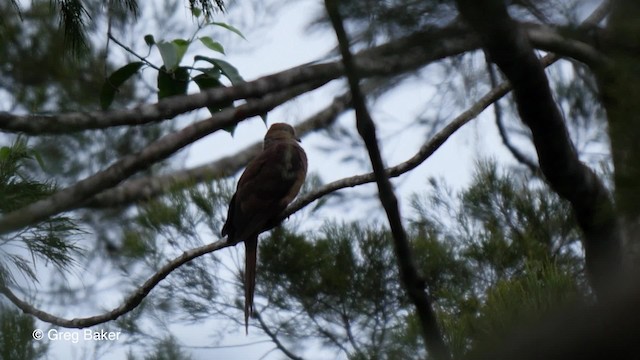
265 188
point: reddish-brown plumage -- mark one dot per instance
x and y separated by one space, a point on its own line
266 187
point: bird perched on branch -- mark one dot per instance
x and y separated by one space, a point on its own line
266 187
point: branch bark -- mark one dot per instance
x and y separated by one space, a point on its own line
388 59
149 187
129 304
400 55
510 49
73 196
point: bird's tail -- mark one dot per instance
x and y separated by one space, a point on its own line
251 253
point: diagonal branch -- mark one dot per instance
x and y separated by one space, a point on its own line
169 107
510 49
388 59
149 187
274 338
73 196
146 188
400 55
497 110
414 285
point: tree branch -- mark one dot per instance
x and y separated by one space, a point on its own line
510 49
129 304
414 285
149 187
275 339
388 59
73 196
547 39
497 111
401 55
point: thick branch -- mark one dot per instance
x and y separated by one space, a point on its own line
166 108
149 187
510 49
414 285
401 55
546 38
73 196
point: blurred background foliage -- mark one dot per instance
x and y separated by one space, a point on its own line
499 253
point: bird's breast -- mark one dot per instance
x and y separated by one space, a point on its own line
292 162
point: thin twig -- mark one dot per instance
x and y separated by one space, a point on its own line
129 304
130 51
275 339
497 111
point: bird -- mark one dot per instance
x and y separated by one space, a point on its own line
268 184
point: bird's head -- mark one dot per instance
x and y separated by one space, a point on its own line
280 132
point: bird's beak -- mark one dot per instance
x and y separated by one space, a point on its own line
298 140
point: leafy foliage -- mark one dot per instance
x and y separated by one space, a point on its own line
506 254
74 15
52 240
16 341
174 78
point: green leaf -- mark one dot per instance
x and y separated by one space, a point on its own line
181 46
5 152
228 27
173 52
211 72
172 83
39 159
205 82
196 12
113 82
149 39
213 45
228 70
